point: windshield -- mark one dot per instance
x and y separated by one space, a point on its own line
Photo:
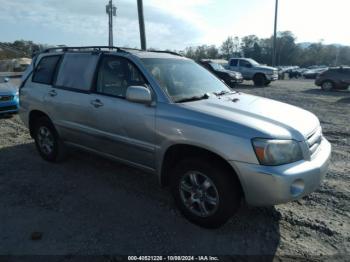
217 66
253 62
182 79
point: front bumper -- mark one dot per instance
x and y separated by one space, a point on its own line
236 80
9 107
273 77
271 185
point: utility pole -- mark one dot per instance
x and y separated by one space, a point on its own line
275 36
111 11
142 24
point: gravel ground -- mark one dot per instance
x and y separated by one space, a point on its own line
89 205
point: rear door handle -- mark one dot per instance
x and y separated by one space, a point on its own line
53 93
96 103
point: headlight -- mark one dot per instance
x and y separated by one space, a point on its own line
236 75
272 152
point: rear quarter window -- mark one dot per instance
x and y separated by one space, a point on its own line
45 70
77 71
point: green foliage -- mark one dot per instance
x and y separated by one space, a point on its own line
260 49
19 48
201 52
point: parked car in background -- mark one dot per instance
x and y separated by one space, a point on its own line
252 70
169 116
313 73
334 78
9 101
231 78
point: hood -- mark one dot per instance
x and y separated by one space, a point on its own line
262 67
6 89
269 118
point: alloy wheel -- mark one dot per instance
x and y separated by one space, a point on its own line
199 194
45 140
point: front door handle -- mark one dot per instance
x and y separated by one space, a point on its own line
53 93
96 103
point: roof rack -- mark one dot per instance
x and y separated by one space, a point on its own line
151 50
166 52
100 49
82 48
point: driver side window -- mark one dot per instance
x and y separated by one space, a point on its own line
115 75
244 63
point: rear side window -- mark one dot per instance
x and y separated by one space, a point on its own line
45 71
77 71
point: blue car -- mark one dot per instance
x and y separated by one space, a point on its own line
9 101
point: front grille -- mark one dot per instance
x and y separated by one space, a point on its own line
314 141
5 98
7 108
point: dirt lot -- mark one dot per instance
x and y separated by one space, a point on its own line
89 205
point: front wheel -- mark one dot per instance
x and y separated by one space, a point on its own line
259 80
206 193
327 85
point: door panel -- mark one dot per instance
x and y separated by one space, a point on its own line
70 112
124 129
245 71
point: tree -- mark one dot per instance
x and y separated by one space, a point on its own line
228 48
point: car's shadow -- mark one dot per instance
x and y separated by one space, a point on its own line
6 116
247 86
89 205
334 93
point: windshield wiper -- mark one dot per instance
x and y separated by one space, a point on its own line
224 92
192 98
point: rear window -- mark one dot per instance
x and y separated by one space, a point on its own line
77 71
45 70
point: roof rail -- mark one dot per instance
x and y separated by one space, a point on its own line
82 48
167 52
100 48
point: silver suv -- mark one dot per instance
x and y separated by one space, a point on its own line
251 70
169 116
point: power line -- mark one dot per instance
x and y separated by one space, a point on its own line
12 49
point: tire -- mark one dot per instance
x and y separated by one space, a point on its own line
259 80
47 141
327 85
221 198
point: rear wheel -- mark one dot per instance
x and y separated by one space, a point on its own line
259 80
206 193
327 85
47 141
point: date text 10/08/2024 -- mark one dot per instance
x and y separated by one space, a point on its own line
173 258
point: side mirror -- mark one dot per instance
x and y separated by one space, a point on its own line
138 94
6 79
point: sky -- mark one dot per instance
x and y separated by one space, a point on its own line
171 24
